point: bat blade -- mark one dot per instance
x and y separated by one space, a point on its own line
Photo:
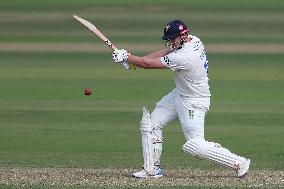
95 30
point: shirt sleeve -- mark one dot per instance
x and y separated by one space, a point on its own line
175 61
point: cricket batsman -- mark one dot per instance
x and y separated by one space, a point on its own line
189 102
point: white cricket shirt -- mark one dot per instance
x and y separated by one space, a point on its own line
191 69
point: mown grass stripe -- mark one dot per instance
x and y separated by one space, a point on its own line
101 47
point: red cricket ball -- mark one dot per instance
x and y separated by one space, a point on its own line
88 91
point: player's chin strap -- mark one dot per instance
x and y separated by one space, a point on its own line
183 40
169 44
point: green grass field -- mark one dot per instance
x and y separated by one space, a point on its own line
47 59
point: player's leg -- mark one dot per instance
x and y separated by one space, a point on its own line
191 113
151 132
192 119
215 152
161 115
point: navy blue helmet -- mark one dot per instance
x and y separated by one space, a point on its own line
173 29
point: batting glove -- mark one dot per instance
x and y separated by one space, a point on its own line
120 56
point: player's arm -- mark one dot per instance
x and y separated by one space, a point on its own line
158 54
146 62
151 61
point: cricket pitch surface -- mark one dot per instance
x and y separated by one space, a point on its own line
122 177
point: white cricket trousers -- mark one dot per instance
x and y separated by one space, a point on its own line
190 112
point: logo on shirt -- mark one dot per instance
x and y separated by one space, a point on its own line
167 60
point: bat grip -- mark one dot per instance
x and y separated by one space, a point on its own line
125 65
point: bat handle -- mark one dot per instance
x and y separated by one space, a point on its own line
126 65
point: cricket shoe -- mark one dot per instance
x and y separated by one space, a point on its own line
243 168
158 172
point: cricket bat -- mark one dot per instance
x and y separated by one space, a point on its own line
96 31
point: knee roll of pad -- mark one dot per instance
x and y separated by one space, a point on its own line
146 123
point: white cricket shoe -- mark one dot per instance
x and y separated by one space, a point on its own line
158 172
243 168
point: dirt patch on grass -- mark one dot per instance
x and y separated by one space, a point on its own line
122 177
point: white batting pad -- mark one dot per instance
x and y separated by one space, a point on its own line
157 142
213 152
147 141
